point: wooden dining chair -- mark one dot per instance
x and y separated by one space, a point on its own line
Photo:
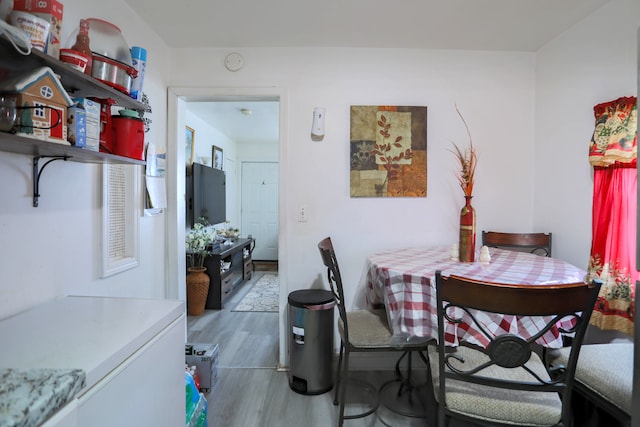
506 383
536 243
360 331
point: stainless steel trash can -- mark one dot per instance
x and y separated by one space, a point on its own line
311 341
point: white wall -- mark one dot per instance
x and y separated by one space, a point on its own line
593 62
258 152
495 92
53 250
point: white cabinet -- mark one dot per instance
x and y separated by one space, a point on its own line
147 389
131 351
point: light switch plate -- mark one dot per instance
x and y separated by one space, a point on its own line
303 214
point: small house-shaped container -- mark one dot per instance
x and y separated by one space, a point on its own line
41 102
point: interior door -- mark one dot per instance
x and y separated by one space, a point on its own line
259 207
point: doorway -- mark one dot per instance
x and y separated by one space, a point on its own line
176 113
246 135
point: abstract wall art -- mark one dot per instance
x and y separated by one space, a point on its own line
388 151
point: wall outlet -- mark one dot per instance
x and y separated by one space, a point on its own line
302 214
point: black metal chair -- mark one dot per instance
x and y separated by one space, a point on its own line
506 383
360 331
536 243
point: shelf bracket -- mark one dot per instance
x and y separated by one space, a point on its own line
38 171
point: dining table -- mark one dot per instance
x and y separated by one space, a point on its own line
403 282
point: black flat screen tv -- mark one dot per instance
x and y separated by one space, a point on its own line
206 195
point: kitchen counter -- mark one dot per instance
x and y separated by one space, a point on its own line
28 397
59 350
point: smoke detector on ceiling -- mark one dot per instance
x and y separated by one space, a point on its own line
234 61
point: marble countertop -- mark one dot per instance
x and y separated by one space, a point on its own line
28 397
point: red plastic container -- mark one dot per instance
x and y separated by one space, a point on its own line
128 137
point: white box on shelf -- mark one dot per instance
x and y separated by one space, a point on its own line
92 113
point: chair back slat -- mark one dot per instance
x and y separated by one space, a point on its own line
535 243
525 300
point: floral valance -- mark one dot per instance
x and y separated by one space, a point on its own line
614 138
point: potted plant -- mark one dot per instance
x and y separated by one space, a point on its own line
197 243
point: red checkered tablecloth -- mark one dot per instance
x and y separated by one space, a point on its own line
404 281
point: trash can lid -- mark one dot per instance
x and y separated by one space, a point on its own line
307 297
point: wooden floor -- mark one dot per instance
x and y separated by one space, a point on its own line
250 392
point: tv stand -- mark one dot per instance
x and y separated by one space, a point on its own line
223 283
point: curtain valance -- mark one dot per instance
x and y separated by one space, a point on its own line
614 138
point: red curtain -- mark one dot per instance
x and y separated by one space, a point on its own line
613 156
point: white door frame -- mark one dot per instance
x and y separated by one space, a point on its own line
175 214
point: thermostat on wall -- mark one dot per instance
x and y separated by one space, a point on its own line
233 61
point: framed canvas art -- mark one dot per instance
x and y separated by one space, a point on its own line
189 145
388 151
217 156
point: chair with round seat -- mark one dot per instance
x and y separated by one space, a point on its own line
604 377
360 331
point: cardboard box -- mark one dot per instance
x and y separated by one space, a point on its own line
205 357
51 11
77 126
92 113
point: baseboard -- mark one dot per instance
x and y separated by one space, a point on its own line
259 265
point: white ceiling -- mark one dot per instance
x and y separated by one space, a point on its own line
521 25
504 25
261 126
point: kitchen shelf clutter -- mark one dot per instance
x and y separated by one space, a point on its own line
77 85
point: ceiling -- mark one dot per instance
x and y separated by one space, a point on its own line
259 126
520 25
502 25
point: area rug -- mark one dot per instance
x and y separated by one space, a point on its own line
263 296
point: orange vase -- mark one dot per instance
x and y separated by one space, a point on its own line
197 290
467 243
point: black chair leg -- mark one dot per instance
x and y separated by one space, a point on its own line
342 389
343 379
339 374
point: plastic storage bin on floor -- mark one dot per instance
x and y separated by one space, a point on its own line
311 341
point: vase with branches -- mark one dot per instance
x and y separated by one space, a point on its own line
467 158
